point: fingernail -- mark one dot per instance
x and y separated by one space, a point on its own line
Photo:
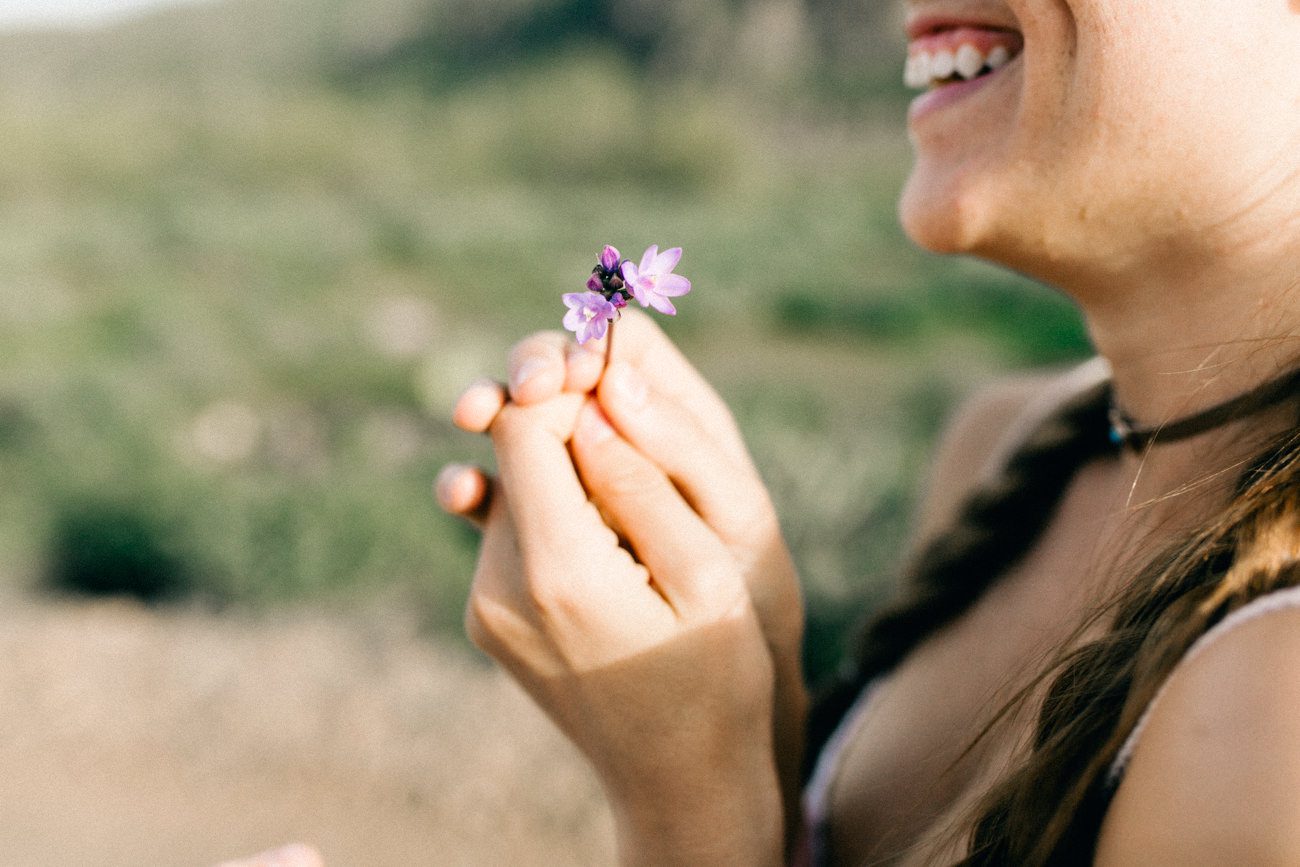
446 482
527 371
584 351
593 426
629 388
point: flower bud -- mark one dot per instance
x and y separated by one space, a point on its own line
594 283
609 258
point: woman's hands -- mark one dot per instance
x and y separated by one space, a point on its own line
650 659
667 412
667 468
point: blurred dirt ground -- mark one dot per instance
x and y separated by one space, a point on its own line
130 736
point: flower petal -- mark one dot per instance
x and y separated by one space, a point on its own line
672 285
663 305
648 258
634 282
667 260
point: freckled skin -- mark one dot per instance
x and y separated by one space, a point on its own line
1122 115
1143 157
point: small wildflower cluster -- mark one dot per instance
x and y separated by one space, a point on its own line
615 280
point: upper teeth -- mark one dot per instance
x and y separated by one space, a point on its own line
924 69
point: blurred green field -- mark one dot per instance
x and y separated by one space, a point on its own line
246 265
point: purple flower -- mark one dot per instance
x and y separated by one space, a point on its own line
613 282
589 315
609 258
653 282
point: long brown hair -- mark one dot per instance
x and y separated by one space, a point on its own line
1049 809
997 525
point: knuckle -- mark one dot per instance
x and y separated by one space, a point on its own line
629 479
715 588
510 424
490 624
477 622
553 601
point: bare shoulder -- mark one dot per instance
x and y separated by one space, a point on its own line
1215 777
975 439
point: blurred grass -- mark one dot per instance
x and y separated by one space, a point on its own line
234 311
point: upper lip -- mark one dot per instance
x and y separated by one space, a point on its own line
923 23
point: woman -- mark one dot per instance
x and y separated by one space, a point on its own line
1095 659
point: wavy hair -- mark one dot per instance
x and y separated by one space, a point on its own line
1048 809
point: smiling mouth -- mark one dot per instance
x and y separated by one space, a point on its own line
951 55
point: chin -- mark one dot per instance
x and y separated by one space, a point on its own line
946 212
942 220
938 217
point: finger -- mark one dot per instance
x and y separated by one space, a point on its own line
497 611
464 491
533 463
686 560
478 405
294 855
640 343
566 551
726 492
536 367
584 363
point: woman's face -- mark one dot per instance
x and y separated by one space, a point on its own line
1111 131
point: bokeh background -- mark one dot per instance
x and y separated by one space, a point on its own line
250 250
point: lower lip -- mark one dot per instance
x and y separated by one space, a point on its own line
940 98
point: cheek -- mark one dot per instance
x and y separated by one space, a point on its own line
1173 106
1077 172
1118 140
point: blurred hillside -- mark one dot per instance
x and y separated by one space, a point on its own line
249 253
440 43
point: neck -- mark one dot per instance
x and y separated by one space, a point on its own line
1179 352
1185 338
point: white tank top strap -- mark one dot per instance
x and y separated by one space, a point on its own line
1278 600
816 795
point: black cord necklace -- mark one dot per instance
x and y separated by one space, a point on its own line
1125 434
